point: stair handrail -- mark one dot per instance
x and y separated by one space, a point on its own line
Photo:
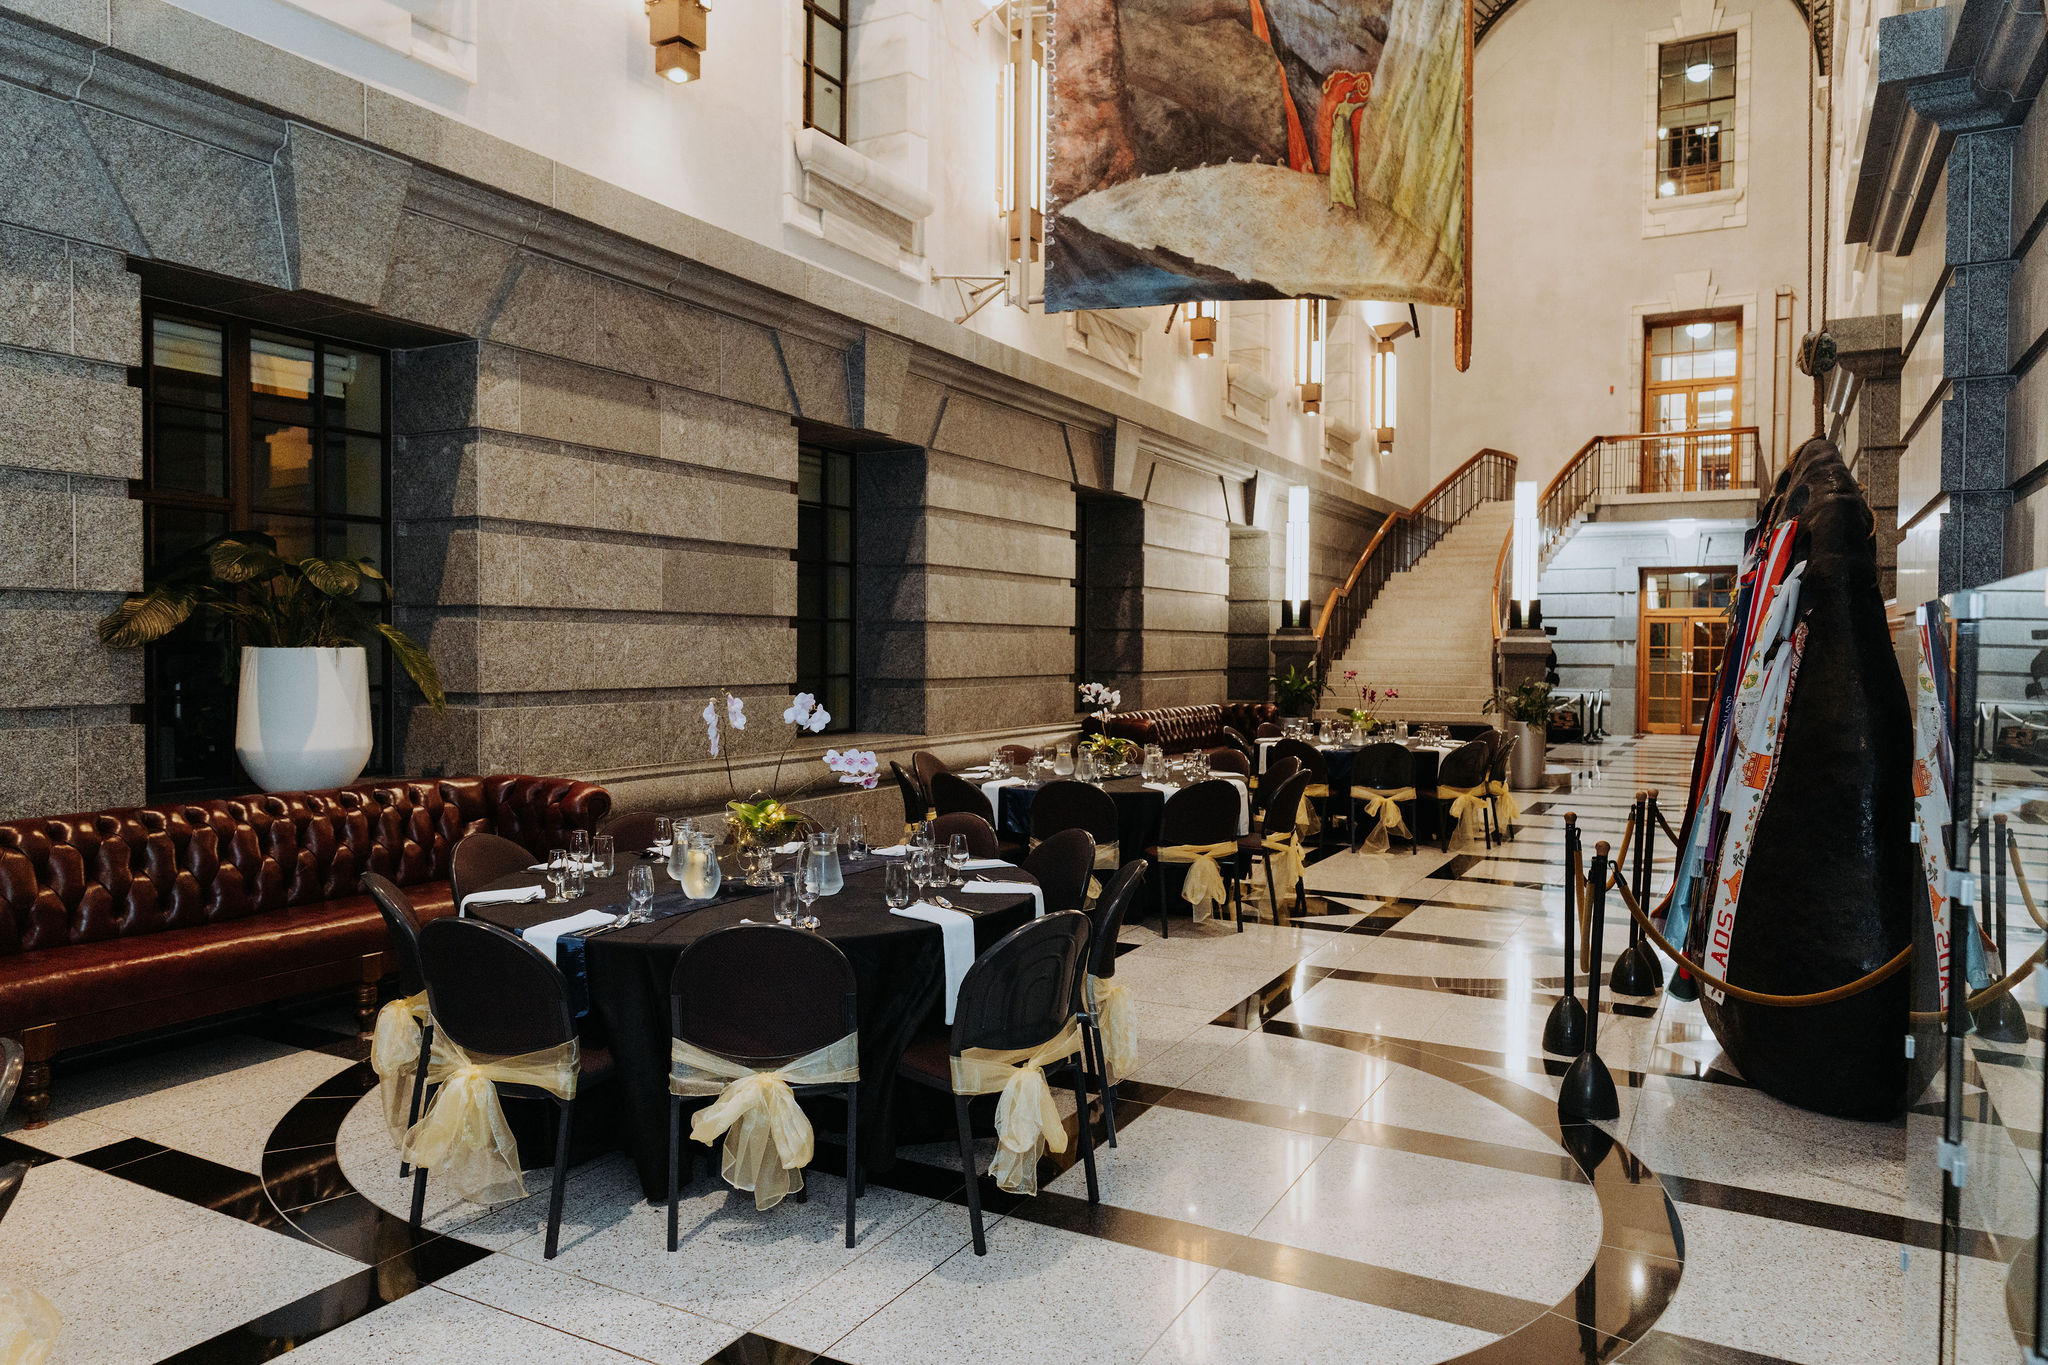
1500 597
1403 538
1584 475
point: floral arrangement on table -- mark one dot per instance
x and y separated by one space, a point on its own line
1366 714
763 817
1103 698
1115 750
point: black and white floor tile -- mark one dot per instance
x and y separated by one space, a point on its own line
1341 1144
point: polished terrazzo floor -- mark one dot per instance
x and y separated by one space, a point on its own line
1341 1144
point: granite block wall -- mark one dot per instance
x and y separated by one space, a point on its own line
1186 586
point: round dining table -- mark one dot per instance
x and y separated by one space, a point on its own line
623 974
1338 760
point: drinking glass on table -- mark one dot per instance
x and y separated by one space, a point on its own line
956 858
856 838
640 894
896 884
810 884
579 846
664 832
603 856
679 853
786 900
558 873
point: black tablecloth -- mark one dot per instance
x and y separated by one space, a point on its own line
1138 808
1338 760
898 965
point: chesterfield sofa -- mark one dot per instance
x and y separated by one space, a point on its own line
115 922
1180 729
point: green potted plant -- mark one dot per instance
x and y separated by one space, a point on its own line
302 720
1529 706
1298 690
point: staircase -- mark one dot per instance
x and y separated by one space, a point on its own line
1429 633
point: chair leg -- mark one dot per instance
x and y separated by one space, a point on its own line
852 1155
419 1196
1272 893
1091 1036
1159 887
675 1133
568 1108
1087 1134
419 1085
1353 818
967 1170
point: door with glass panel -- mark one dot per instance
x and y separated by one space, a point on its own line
1682 635
1692 390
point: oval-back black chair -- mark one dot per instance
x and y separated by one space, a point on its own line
1205 813
631 833
481 859
1111 906
1282 814
981 840
1278 770
927 765
917 802
951 793
1234 737
763 995
1383 767
1068 804
492 992
1229 760
403 922
1269 730
1063 865
1497 771
1018 994
1464 767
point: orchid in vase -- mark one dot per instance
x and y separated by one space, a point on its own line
762 817
1365 716
1105 700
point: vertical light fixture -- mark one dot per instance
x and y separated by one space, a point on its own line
1296 582
1385 385
1020 130
1308 353
1524 561
1202 327
677 28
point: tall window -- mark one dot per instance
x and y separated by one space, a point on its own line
824 580
1692 382
1695 114
825 66
251 428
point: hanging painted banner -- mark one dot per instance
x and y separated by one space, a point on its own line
1257 149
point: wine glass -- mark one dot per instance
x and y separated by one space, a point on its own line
558 874
856 839
579 846
956 858
664 832
640 894
809 886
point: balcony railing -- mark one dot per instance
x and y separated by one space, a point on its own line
1668 463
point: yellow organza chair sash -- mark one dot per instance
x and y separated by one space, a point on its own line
768 1141
29 1325
1116 1019
463 1137
1288 859
395 1057
1316 791
1383 805
1466 804
1027 1121
1506 810
1203 886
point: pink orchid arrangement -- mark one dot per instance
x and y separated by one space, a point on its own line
1366 714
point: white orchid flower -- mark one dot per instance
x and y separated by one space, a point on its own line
711 724
735 712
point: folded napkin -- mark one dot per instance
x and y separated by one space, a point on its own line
1166 787
1244 801
956 928
511 895
543 936
892 851
976 864
1009 889
993 791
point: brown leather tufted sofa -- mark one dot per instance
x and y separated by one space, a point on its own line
117 921
1178 729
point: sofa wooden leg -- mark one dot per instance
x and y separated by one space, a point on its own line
36 1044
366 993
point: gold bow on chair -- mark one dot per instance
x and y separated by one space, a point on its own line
1203 885
768 1141
1384 806
1506 810
463 1137
1467 804
395 1057
1116 1019
29 1325
1027 1121
1289 859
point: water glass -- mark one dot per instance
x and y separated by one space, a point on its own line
558 873
640 894
664 832
810 884
896 884
786 902
603 856
857 838
679 853
956 858
579 846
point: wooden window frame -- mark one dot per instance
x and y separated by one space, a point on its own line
1706 177
814 14
843 711
1643 620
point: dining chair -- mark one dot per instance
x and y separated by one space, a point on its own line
1380 770
927 765
761 996
403 922
1108 918
981 840
1018 753
917 802
1068 804
1204 814
1463 773
1318 768
480 859
1278 770
11 1055
1062 866
1022 993
1228 761
951 793
1282 815
631 833
493 994
1497 773
1234 737
1268 730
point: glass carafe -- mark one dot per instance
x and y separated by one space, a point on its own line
824 846
701 874
1063 760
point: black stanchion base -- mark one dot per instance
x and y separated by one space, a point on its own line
1588 1090
1653 964
1631 975
2001 1020
1564 1033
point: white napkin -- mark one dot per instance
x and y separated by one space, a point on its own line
793 846
511 895
892 851
976 864
956 927
661 846
1166 787
543 936
993 790
1244 802
1009 889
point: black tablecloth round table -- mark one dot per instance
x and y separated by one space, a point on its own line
898 966
1138 808
1338 760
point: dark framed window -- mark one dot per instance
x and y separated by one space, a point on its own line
250 427
1695 114
824 580
825 66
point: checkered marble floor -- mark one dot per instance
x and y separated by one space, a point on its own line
1340 1144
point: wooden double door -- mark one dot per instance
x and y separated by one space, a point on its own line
1681 638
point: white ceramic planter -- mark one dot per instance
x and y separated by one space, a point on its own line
303 719
1525 766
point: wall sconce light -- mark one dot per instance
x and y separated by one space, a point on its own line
1524 565
1020 154
1202 327
1295 575
677 30
1386 382
1309 316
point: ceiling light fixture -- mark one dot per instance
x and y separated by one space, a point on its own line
1666 190
1309 316
1202 327
1699 330
1699 71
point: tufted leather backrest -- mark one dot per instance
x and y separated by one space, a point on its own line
81 878
1178 729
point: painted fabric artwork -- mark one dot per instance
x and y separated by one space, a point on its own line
1250 149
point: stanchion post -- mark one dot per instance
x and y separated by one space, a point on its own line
1950 1154
1998 885
2039 1353
1652 966
1565 1029
1628 976
1588 1089
1999 1019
